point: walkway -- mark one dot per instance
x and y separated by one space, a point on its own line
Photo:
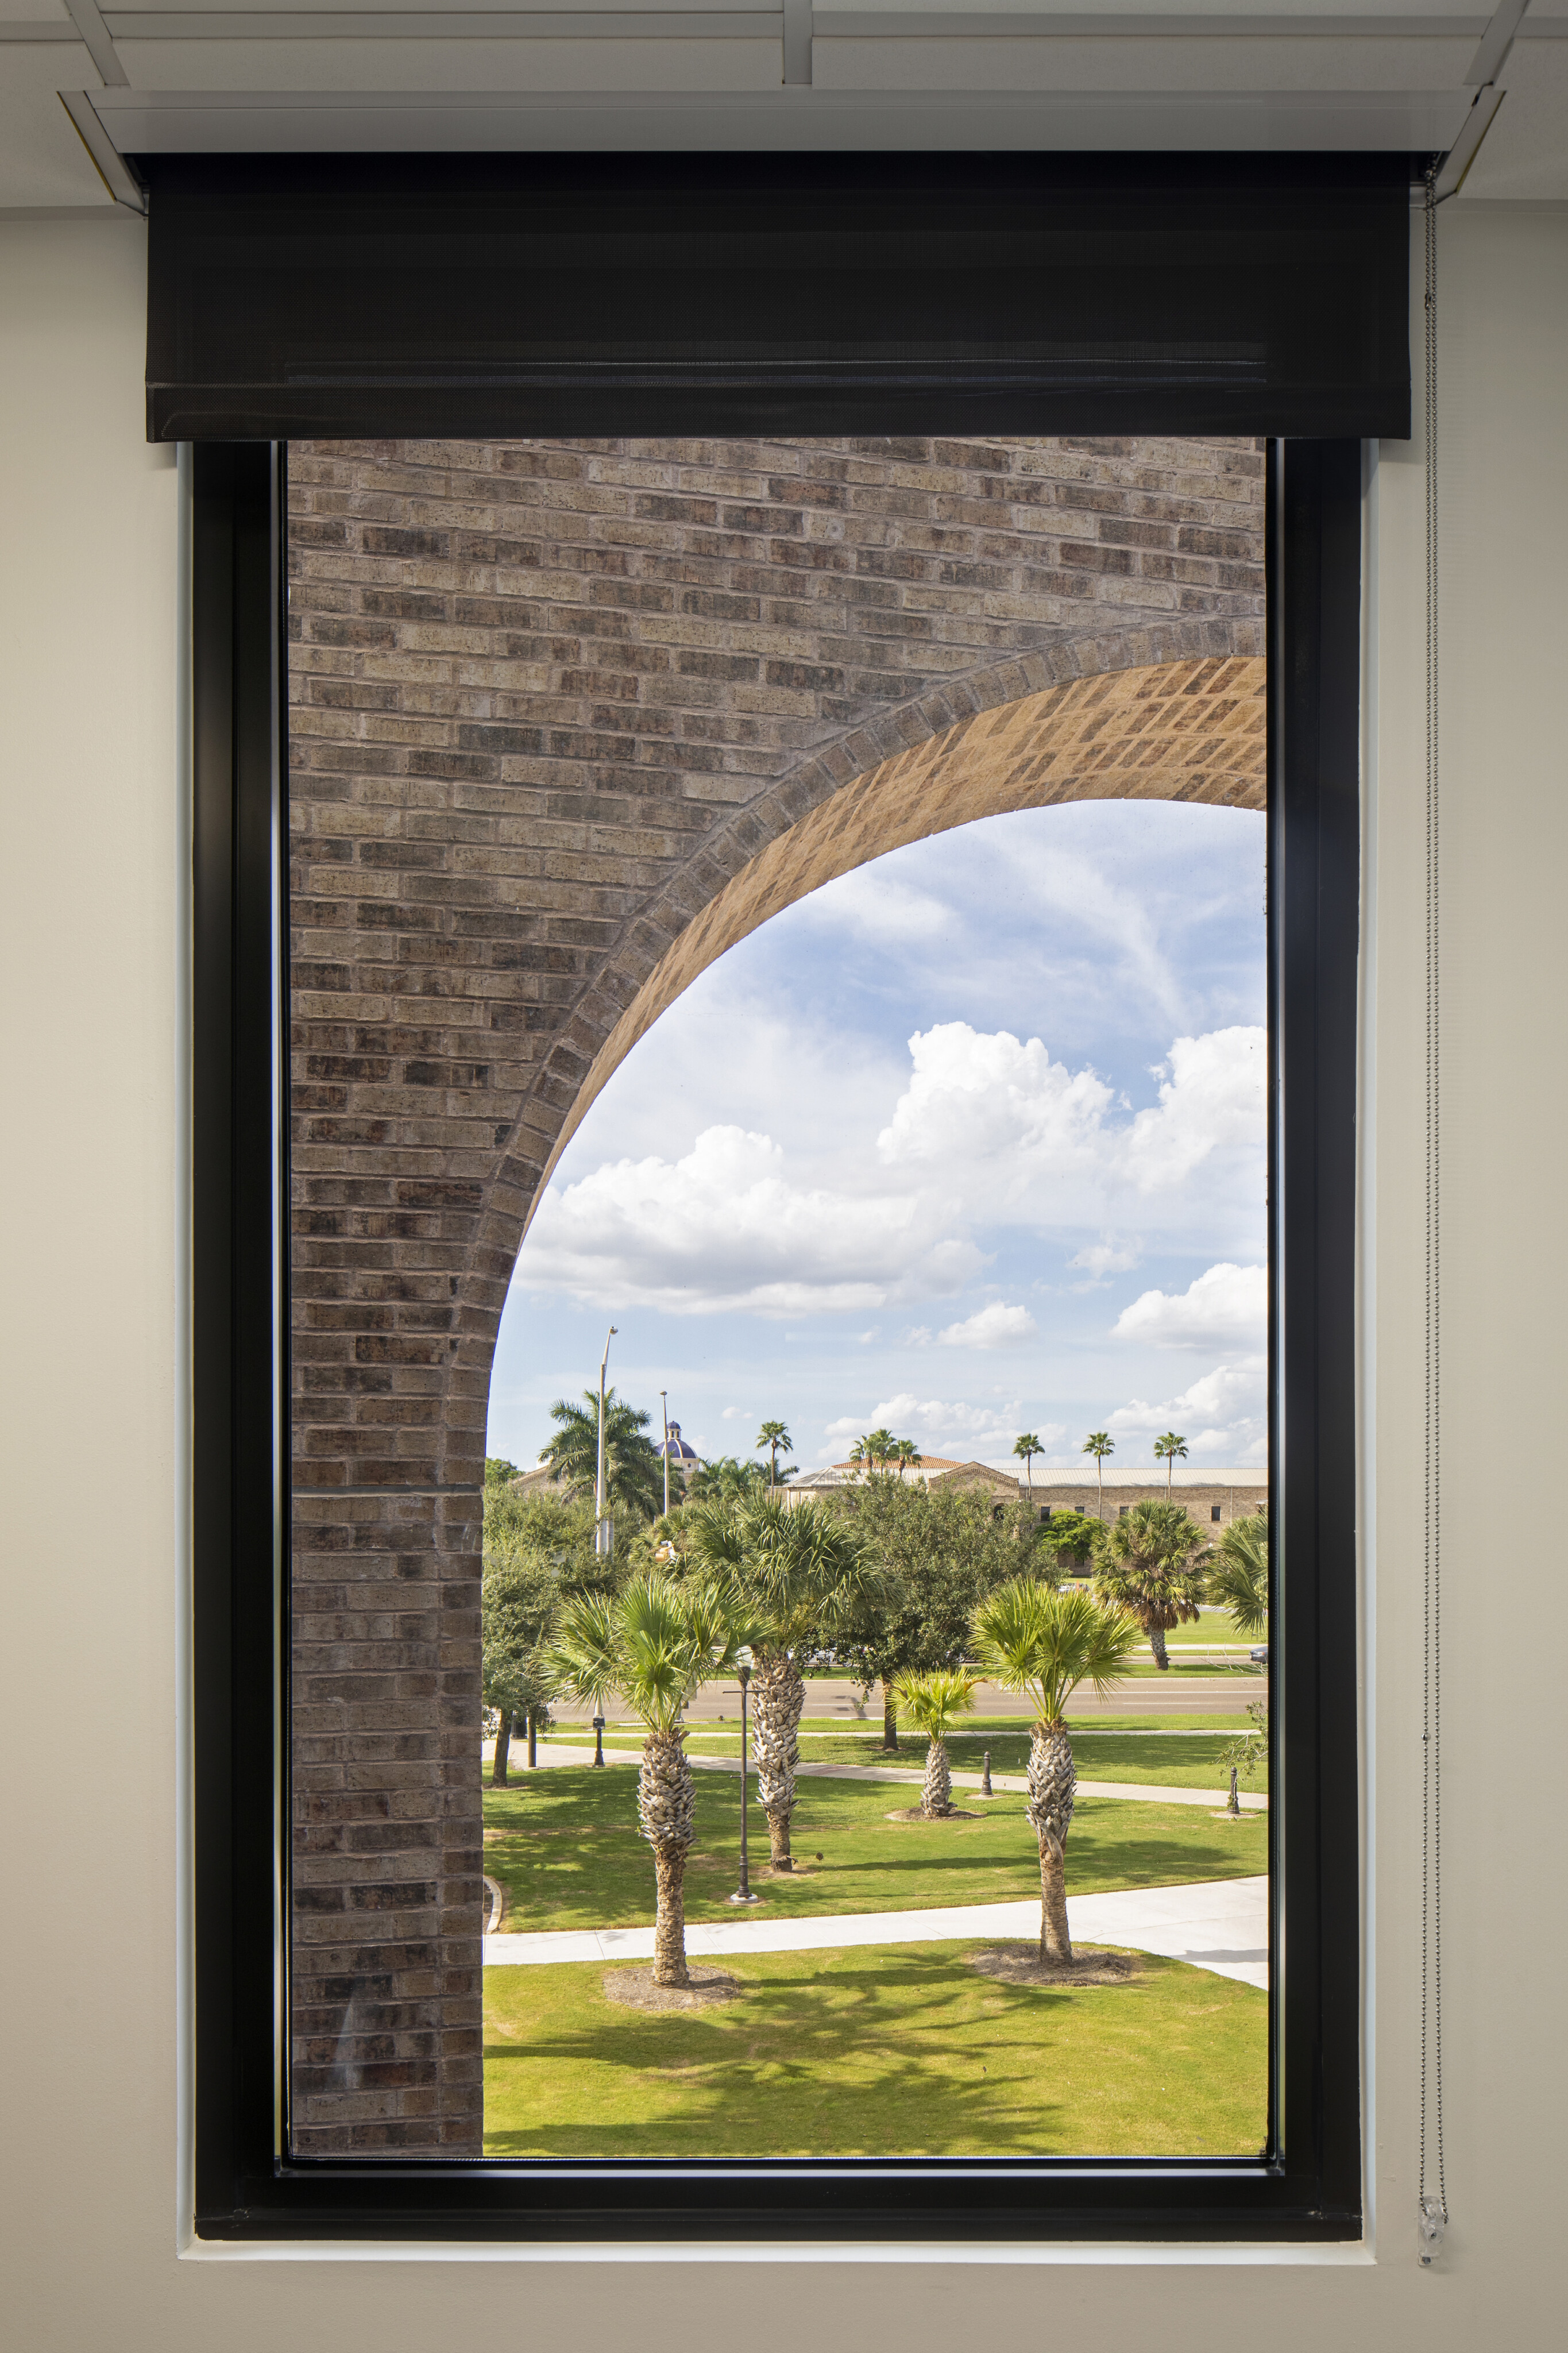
1217 1924
1152 1793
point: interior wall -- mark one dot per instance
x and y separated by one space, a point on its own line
91 918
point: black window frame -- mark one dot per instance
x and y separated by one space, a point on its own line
1307 2186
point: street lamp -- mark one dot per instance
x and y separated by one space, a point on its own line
664 1409
603 1528
743 1662
598 1740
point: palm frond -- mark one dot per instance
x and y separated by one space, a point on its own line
1031 1638
933 1702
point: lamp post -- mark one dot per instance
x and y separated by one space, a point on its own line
664 1409
603 1529
743 1662
599 1739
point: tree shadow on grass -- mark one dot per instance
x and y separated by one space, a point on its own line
898 2053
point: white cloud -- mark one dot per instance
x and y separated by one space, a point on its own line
737 1413
955 1428
1227 1409
1107 1256
991 1327
1225 1308
988 1132
724 1227
1023 1140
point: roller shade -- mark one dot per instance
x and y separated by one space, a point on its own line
489 297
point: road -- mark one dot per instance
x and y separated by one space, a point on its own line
1222 1692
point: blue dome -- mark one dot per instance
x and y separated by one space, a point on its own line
677 1448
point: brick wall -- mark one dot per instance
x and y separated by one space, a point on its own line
548 703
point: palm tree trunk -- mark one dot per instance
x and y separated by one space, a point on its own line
532 1739
778 1695
1053 1779
1056 1944
936 1796
890 1715
666 1807
670 1924
1157 1644
503 1742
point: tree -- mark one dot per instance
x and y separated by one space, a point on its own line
1030 1639
1069 1538
1029 1446
1166 1449
518 1598
499 1471
634 1469
800 1577
1239 1574
1151 1565
1100 1444
932 1702
941 1550
653 1645
775 1437
725 1479
907 1455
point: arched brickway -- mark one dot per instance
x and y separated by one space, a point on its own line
566 719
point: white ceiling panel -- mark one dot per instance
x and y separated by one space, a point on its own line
467 64
1163 65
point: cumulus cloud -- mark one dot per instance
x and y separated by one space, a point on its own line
1022 1139
945 1429
1225 1308
988 1132
991 1327
1107 1256
724 1227
1223 1415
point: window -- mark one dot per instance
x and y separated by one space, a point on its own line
1213 1512
1307 2182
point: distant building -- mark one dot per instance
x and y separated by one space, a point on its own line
1213 1498
931 1470
682 1458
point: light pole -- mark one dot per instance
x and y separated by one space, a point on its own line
664 1409
603 1529
599 1738
744 1893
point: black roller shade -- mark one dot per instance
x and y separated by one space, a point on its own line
493 296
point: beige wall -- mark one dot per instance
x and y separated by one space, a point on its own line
90 926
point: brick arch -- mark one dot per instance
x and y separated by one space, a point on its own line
1185 730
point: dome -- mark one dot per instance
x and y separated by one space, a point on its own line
677 1448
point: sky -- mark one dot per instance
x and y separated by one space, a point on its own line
966 1143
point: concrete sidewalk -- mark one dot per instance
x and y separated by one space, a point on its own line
1220 1925
1152 1793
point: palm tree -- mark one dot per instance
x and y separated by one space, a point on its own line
1151 1565
1166 1449
1030 1638
1100 1444
634 1471
932 1702
775 1435
652 1644
799 1576
881 1447
724 1480
1238 1574
907 1455
1029 1446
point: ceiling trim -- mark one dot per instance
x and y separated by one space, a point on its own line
788 118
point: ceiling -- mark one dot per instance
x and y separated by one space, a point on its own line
82 86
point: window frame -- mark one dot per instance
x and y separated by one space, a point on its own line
1306 2185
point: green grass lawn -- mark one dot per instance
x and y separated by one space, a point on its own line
878 2051
565 1846
1100 1756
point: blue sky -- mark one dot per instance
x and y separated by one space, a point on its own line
970 1141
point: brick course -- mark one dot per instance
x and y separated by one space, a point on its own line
549 704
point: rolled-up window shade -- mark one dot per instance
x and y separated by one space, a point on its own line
489 297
